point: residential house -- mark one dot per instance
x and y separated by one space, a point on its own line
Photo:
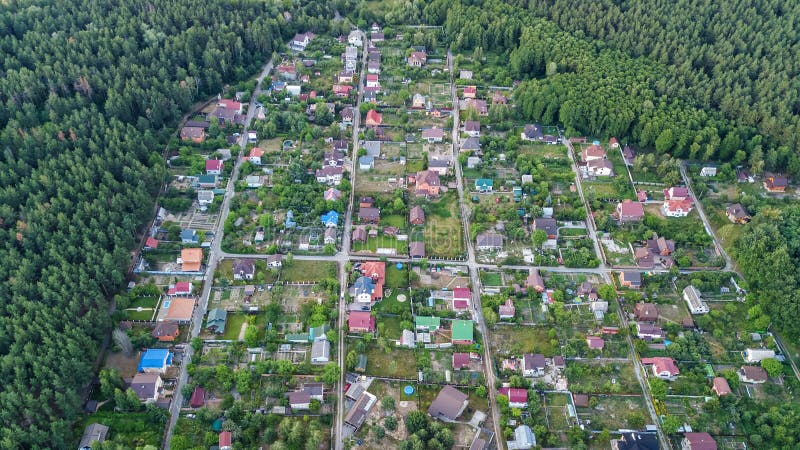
243 269
329 175
194 134
449 404
433 135
373 148
254 181
416 250
470 92
214 166
752 374
374 118
366 162
613 143
549 139
191 259
345 76
548 225
480 106
461 299
427 183
347 115
524 439
532 133
533 365
147 386
166 331
595 342
275 261
708 171
369 215
330 236
320 352
342 90
207 181
179 309
95 432
462 332
150 243
645 312
600 168
427 323
155 360
774 183
180 288
416 216
205 198
592 153
755 355
636 441
720 386
225 440
332 195
698 441
473 162
299 400
361 322
489 241
460 361
464 74
676 208
440 166
629 211
628 155
216 320
534 281
693 299
358 413
287 71
189 236
373 67
648 331
737 214
471 144
517 397
484 185
359 234
472 128
417 59
662 367
373 80
506 310
354 38
330 219
498 98
376 36
301 41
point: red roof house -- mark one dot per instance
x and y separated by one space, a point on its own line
214 166
460 361
507 310
662 367
151 243
461 298
698 441
225 440
721 387
198 397
180 288
595 343
470 92
374 118
361 322
517 397
629 211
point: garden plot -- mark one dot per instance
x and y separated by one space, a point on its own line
444 236
611 412
436 277
602 377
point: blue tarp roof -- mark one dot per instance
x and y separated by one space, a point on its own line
155 358
331 217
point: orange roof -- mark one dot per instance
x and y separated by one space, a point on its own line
192 259
377 271
256 152
374 117
180 309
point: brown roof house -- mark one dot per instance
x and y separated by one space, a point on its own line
720 386
427 183
534 281
369 215
448 405
166 331
698 441
194 134
629 211
645 312
416 216
752 374
737 213
774 183
417 59
489 241
146 386
416 250
630 279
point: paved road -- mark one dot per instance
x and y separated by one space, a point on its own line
214 256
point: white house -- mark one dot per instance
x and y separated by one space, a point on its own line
205 197
694 300
708 171
354 38
533 365
755 355
600 168
294 91
274 261
320 352
676 208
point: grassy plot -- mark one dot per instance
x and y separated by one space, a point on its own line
129 430
517 340
443 234
373 244
233 326
308 271
611 412
397 363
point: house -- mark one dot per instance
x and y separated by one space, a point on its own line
418 101
676 208
150 243
416 250
205 198
480 106
600 168
460 361
361 322
489 241
628 155
427 183
146 386
548 225
287 71
329 236
534 281
660 246
155 360
329 175
359 234
216 320
194 134
359 411
347 115
755 355
320 352
330 219
373 80
225 115
207 181
371 96
354 38
180 288
189 236
427 323
95 432
433 135
484 185
698 441
472 128
773 183
243 269
301 41
524 439
448 405
613 142
595 343
632 440
461 298
369 215
708 171
416 216
648 331
366 162
752 374
470 92
471 144
506 310
533 365
559 363
440 166
417 59
332 195
532 133
191 259
517 397
465 74
645 312
662 367
165 331
374 118
214 166
373 67
254 181
225 440
299 400
342 90
630 279
345 76
629 211
693 299
473 162
592 153
198 398
498 98
179 309
373 148
462 332
737 214
720 386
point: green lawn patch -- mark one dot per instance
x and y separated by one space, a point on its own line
522 339
145 314
233 326
130 430
144 302
443 234
491 278
396 278
308 271
394 220
397 363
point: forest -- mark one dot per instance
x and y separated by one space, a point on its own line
90 92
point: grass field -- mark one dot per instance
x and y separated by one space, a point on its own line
145 314
308 271
233 326
394 220
491 279
373 244
144 302
518 340
396 278
612 412
397 363
443 234
129 430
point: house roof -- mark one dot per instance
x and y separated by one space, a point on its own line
188 234
754 373
533 131
256 152
646 329
245 266
630 208
214 164
462 330
192 259
533 361
534 280
299 398
369 213
595 343
700 441
427 321
198 397
484 182
374 116
737 211
225 439
580 400
637 441
593 151
489 239
721 386
155 358
645 311
361 319
180 287
145 384
332 194
663 364
550 226
460 360
416 214
416 249
321 349
461 293
433 133
449 403
180 309
507 309
217 318
95 432
472 143
151 242
165 329
631 276
331 217
472 125
515 395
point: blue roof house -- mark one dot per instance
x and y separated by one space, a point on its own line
484 185
362 291
189 236
289 222
331 219
155 360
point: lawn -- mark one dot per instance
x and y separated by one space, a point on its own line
373 244
307 271
129 430
587 377
612 412
396 278
443 234
398 363
394 220
491 278
145 314
233 326
143 302
518 340
389 327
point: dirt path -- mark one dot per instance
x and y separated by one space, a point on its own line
241 332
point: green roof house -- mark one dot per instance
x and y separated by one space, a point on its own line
462 332
318 333
484 185
216 320
427 323
298 338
